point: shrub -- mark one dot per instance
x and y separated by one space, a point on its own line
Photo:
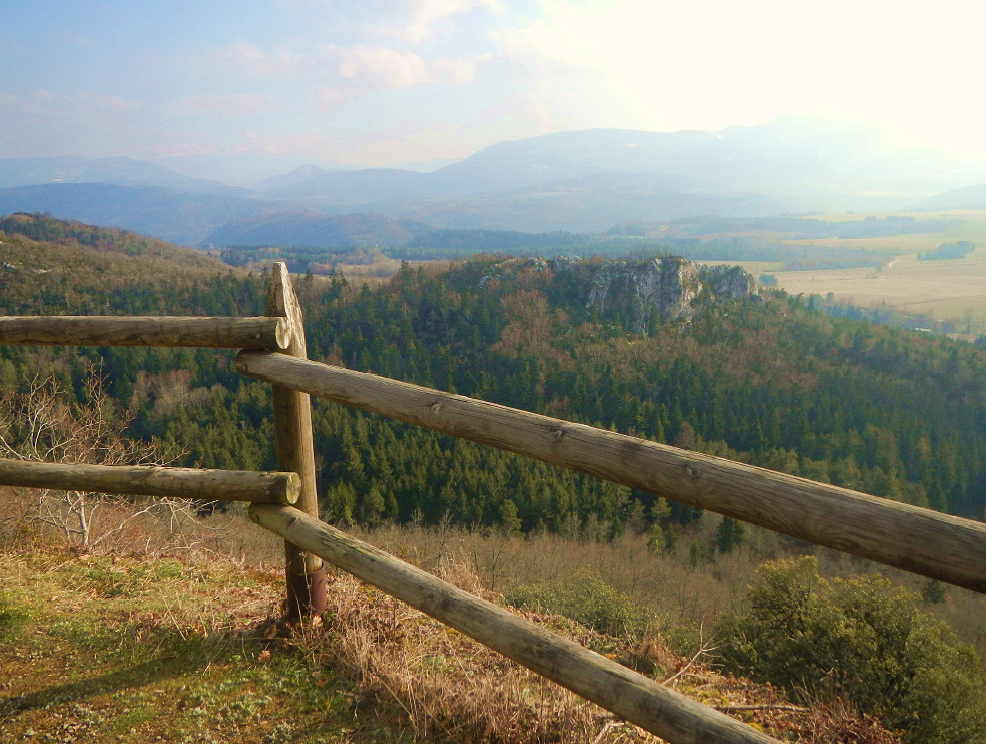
862 638
588 600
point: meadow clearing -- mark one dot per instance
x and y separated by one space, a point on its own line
945 290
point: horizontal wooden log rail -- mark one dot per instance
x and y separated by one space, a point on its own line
146 480
632 696
919 540
110 330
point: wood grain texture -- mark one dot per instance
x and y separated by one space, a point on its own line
629 695
110 330
920 540
184 483
304 573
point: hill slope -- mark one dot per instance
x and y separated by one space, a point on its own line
100 241
118 171
590 180
179 217
315 229
50 266
133 648
969 197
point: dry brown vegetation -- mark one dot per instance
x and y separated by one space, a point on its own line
401 676
379 272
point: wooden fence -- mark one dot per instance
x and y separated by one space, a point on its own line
273 349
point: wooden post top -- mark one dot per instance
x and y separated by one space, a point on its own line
282 302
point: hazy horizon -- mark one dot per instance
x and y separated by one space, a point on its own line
367 84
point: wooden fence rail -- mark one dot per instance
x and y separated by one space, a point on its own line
110 330
147 480
630 695
920 540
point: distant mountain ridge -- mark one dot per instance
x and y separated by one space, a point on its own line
178 217
317 230
969 197
590 180
119 171
348 187
581 181
734 160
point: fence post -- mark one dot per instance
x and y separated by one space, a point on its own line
304 572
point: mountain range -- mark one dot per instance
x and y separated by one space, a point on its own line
584 181
119 171
181 217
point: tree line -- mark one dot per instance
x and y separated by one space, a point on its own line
773 383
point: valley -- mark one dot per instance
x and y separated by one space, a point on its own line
944 294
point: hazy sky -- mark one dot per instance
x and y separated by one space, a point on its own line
373 82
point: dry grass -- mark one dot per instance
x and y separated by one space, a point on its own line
945 290
950 290
678 595
450 688
404 676
380 270
453 689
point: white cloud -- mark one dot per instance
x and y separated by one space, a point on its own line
383 67
412 22
328 98
334 73
253 61
380 66
458 70
228 104
422 16
709 63
43 103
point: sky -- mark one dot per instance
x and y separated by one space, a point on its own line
391 83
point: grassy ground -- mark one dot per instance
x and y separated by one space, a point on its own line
180 649
104 649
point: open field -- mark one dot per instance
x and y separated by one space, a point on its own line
952 290
754 267
380 271
945 290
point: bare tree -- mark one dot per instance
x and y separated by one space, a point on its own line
47 424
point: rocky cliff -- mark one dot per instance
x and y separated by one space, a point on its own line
634 292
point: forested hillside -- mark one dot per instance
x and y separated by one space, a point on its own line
764 380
